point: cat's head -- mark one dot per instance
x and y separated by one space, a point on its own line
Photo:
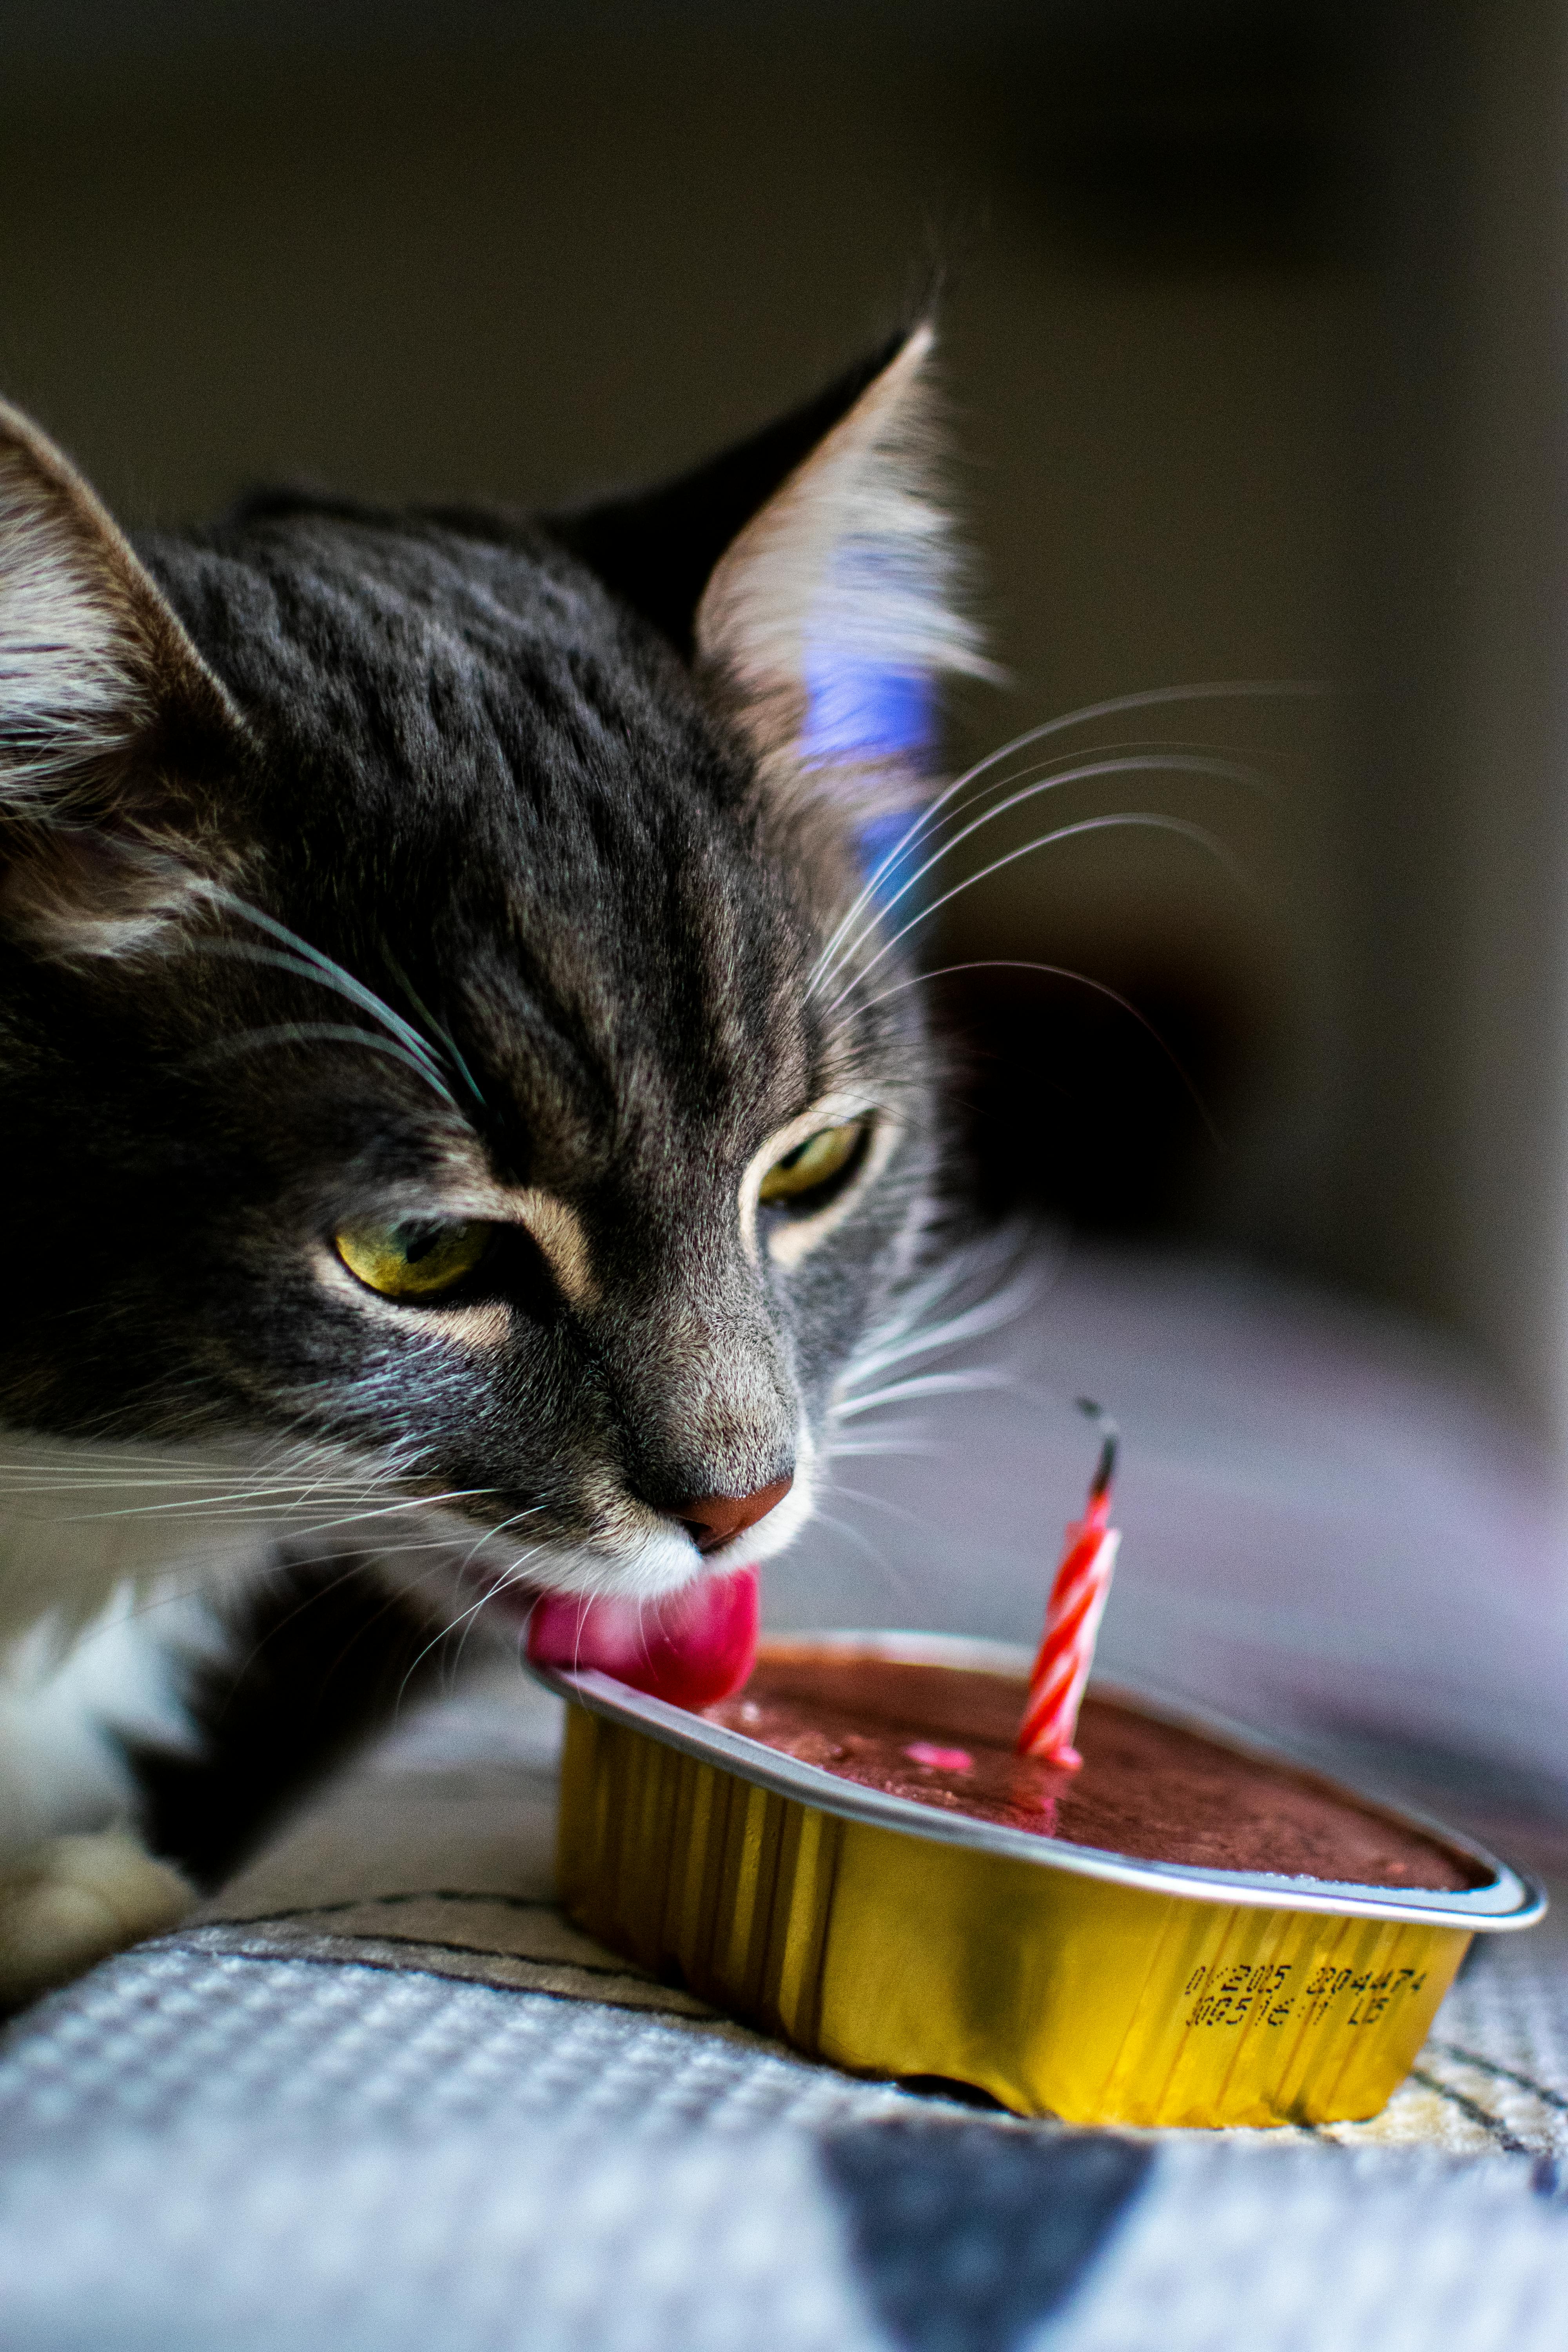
445 1027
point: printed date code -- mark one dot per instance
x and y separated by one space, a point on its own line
1269 1993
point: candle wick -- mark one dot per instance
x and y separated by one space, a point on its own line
1105 1469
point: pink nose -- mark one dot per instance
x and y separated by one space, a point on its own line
713 1521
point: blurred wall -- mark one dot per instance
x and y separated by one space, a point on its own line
1234 310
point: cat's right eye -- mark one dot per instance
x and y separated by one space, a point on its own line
804 1176
418 1258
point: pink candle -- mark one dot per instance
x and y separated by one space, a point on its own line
1072 1619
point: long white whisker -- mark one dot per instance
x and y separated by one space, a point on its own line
928 1384
445 1035
407 1503
917 1449
1162 759
332 975
508 1578
511 1578
1083 979
295 1033
876 1502
1087 771
418 1055
230 1506
1147 698
974 1322
1180 825
842 1527
980 1262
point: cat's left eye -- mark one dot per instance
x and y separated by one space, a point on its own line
418 1258
816 1165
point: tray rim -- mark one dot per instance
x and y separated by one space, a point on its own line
1513 1900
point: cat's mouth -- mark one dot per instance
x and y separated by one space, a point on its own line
695 1646
663 1570
496 1582
691 1645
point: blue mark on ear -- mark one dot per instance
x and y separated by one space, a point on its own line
859 710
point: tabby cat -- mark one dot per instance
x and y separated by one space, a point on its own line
459 1116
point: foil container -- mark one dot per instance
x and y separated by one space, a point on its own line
895 1939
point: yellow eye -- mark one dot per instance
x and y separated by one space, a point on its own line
814 1164
419 1258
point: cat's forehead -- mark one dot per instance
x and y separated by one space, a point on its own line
510 788
397 642
480 716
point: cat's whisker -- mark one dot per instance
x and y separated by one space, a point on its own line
236 1504
375 1478
1115 706
263 1506
887 1429
981 1262
876 1502
404 1503
974 1322
1085 772
135 1465
123 1481
1147 820
1082 980
920 1449
503 1584
1208 761
383 1548
324 1592
246 951
296 1033
861 1543
509 1578
506 1580
488 1536
928 1384
440 1028
389 1603
330 973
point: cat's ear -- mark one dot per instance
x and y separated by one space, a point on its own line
107 716
811 575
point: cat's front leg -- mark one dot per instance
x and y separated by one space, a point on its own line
76 1880
67 1902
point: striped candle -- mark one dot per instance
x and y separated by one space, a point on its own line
1072 1619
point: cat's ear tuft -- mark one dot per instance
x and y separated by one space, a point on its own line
106 710
830 620
812 575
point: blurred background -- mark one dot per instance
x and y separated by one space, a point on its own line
1254 352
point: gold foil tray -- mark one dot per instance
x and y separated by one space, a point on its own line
893 1939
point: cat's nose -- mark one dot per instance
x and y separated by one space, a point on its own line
713 1521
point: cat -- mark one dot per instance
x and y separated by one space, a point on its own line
459 1119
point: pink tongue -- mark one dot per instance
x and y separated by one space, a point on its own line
695 1646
